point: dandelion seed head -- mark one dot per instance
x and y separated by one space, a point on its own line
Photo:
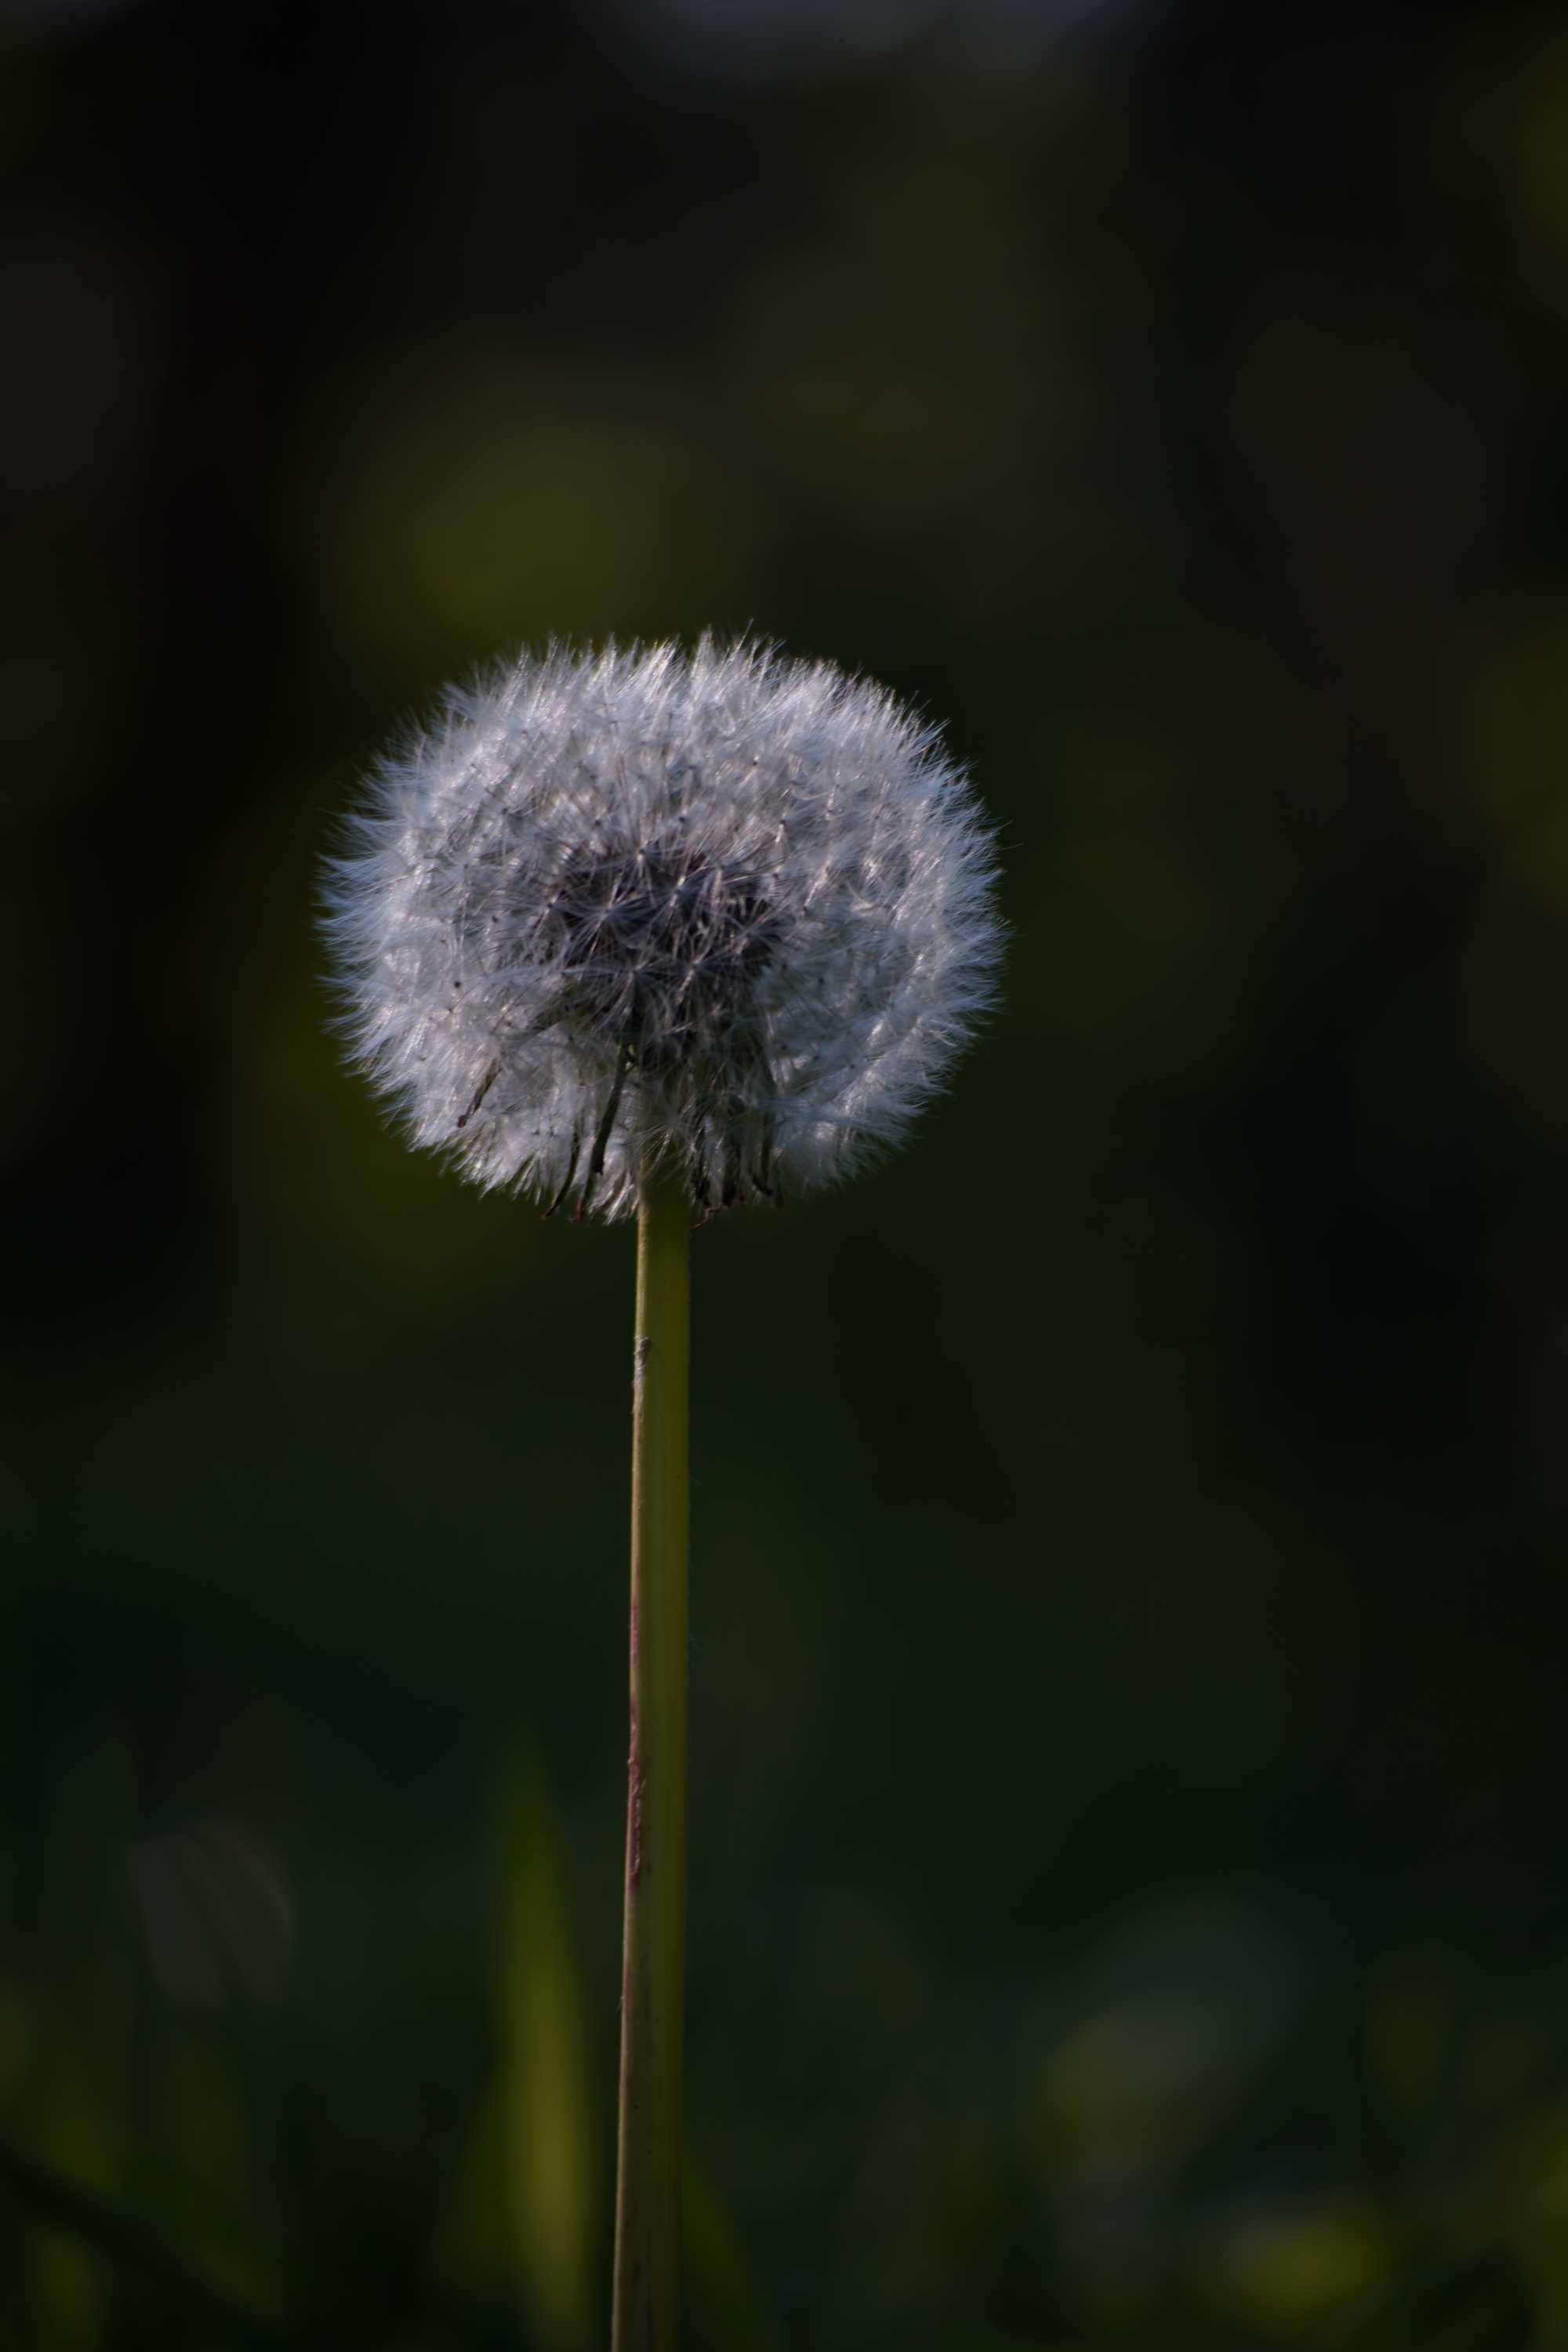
723 906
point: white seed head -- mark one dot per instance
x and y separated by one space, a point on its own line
728 907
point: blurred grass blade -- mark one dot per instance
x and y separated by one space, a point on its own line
523 2220
724 2290
546 2096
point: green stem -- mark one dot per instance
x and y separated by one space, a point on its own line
647 2198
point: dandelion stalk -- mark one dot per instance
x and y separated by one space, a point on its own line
653 1969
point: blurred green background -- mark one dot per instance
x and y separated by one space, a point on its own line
1131 1894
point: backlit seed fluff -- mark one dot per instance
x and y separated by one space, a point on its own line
731 906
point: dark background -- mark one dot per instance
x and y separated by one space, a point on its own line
1129 1899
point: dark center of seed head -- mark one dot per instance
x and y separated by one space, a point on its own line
657 951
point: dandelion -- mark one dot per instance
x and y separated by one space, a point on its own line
666 933
728 909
